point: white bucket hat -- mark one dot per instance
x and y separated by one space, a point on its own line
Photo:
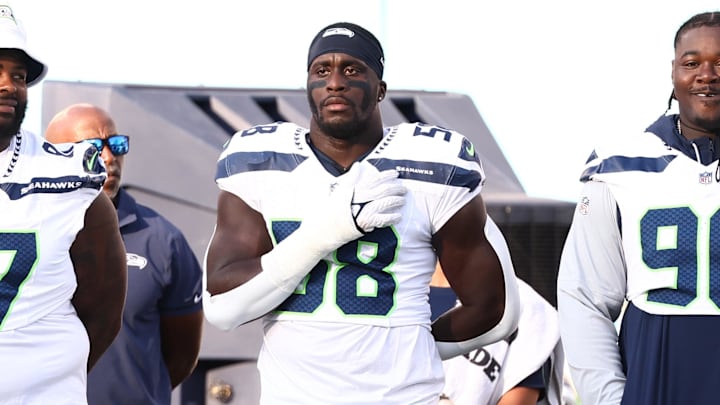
12 36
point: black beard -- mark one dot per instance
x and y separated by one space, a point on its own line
341 130
10 130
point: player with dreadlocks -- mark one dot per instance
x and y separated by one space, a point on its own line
646 234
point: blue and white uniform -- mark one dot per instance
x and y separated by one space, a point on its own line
46 190
646 231
357 330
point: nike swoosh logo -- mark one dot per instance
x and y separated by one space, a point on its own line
197 298
470 150
90 163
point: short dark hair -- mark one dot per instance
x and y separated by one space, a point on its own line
706 19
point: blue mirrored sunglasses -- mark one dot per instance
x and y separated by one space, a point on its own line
118 144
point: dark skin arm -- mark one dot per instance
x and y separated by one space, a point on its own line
181 344
515 396
474 273
98 255
240 239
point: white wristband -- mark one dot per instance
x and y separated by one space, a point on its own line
448 350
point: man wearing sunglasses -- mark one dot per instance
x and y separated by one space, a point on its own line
158 345
62 260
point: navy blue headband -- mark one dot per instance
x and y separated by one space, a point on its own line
351 39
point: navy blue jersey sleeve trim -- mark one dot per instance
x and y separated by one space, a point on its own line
49 185
593 156
431 172
616 164
240 162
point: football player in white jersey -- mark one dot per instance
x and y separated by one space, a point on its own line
647 232
62 261
334 232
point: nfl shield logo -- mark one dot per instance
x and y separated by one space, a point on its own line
705 178
584 205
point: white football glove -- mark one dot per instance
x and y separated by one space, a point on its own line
378 198
364 199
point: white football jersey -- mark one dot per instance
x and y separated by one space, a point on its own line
669 208
360 322
46 190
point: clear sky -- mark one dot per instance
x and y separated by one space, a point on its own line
547 76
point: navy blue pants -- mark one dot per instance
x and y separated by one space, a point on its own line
670 359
